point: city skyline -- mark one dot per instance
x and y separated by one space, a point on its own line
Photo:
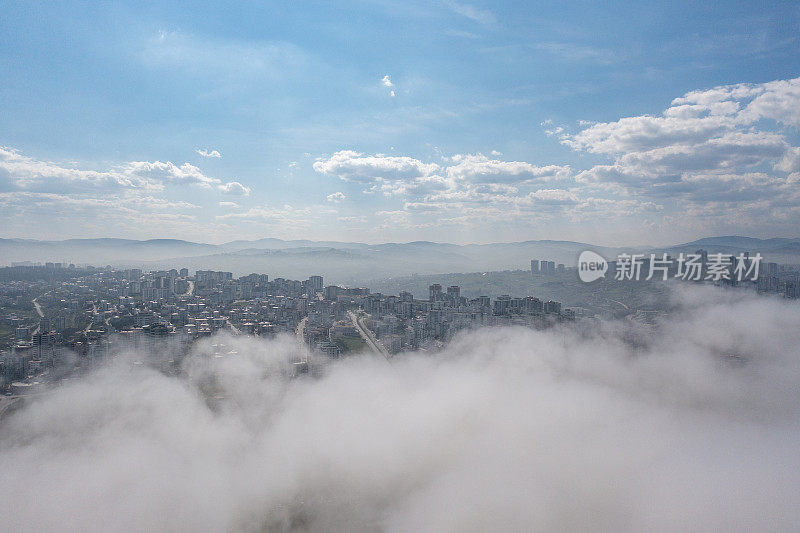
449 121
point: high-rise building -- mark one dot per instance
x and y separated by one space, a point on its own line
534 266
547 267
332 292
453 294
772 269
435 292
316 283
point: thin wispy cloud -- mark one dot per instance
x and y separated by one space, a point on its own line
476 14
578 52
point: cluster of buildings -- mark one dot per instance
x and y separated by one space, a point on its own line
782 280
547 268
404 323
101 311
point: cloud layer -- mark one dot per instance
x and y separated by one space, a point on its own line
693 425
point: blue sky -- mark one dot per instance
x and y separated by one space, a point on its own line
385 121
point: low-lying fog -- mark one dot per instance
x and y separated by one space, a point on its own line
692 426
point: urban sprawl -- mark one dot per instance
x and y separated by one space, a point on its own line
53 313
67 317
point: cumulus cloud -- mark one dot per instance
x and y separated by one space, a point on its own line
718 148
554 195
25 173
116 198
169 172
336 197
360 168
697 117
472 183
234 188
617 427
479 168
208 153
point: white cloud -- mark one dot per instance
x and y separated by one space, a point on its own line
555 195
232 205
647 132
357 167
466 186
208 153
479 168
20 172
790 161
234 188
336 197
709 146
169 172
386 82
697 117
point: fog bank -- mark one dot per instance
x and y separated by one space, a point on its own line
693 425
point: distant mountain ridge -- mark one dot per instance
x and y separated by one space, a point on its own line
733 243
351 262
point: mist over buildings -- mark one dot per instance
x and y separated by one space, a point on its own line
690 425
